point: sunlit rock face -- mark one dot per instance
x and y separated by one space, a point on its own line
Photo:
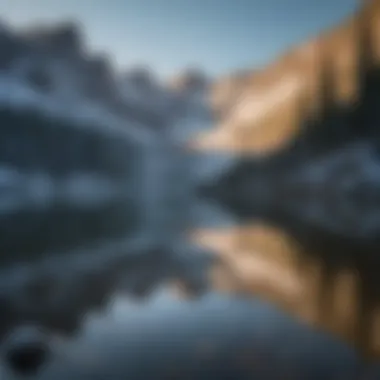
259 111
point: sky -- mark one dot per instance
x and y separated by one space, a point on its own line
217 36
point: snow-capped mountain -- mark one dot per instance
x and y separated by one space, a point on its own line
51 68
86 162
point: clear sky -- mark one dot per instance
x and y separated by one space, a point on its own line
218 36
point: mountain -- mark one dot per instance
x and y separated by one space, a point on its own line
87 156
52 66
260 110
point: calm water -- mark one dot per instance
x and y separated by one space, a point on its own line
213 336
133 242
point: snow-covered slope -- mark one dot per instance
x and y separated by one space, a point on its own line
193 89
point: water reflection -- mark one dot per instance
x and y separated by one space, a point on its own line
323 214
154 233
214 337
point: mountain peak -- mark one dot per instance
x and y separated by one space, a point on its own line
65 36
191 80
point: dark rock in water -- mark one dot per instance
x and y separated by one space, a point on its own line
26 351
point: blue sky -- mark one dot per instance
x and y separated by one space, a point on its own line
218 36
